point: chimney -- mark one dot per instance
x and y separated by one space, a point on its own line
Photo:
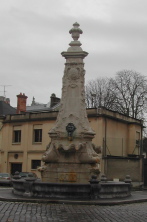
7 101
54 100
21 103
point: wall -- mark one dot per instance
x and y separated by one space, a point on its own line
120 167
115 133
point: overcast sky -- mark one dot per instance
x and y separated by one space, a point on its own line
33 33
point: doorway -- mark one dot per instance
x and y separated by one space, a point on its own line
16 167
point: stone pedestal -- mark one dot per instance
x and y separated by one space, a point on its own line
70 156
69 173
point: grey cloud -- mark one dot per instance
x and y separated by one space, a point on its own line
33 35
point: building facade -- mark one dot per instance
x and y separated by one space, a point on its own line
5 109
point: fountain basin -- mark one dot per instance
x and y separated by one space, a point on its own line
92 191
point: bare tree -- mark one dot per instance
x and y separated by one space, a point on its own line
131 93
99 93
126 93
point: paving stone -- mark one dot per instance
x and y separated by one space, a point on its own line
26 212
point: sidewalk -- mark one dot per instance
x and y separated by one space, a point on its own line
136 197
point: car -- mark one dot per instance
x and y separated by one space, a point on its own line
5 179
26 174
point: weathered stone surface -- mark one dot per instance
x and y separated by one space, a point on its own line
71 190
71 137
65 172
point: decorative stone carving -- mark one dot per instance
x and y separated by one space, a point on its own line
71 136
42 168
51 155
70 128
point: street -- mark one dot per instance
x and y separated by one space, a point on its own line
37 212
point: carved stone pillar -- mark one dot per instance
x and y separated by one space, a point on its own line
70 153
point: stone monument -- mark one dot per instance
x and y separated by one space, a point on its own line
70 156
71 166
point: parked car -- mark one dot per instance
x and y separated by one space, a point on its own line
5 179
26 174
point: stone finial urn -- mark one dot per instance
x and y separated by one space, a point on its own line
70 156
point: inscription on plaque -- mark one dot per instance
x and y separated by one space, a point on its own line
68 177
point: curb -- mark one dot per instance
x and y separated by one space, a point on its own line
99 202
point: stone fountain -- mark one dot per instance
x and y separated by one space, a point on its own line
70 156
71 166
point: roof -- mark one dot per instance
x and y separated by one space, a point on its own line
5 109
37 108
42 108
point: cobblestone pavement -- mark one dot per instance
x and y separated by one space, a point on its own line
29 212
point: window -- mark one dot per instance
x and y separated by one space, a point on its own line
37 135
16 136
35 164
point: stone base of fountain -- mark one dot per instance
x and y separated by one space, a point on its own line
71 191
69 173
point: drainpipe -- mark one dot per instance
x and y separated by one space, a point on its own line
141 145
105 160
105 134
141 154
